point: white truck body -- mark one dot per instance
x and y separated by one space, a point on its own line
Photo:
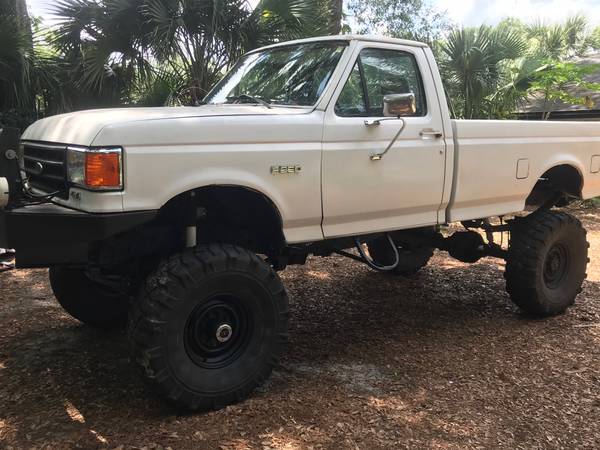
176 220
477 169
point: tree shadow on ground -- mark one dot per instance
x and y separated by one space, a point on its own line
380 343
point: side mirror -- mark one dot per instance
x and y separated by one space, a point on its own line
399 105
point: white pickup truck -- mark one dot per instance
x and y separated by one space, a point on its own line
176 220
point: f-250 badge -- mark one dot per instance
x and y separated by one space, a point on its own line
282 170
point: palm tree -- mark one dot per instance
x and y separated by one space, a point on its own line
111 43
475 63
30 72
208 36
576 34
16 53
513 93
166 86
336 13
550 41
105 49
562 41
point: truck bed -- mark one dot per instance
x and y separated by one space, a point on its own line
497 163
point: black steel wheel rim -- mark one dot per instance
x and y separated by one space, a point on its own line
217 332
556 266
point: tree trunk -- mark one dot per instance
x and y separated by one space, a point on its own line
336 16
21 8
14 7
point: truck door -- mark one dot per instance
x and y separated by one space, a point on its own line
404 188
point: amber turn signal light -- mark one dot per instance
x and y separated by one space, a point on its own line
99 169
103 170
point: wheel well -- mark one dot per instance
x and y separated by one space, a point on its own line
229 214
558 186
222 214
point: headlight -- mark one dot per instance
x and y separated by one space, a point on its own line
76 165
100 168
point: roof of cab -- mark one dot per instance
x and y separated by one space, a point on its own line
346 37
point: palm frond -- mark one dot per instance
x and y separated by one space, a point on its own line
167 86
16 54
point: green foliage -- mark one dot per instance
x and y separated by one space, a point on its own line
149 52
24 68
16 53
562 41
492 71
105 47
169 52
17 118
592 203
556 82
110 43
474 64
594 38
408 19
517 76
488 70
166 86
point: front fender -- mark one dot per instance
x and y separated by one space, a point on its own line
154 179
164 158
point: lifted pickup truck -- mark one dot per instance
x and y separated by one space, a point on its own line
176 220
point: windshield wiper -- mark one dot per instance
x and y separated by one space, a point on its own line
252 98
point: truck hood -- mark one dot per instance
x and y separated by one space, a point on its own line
80 128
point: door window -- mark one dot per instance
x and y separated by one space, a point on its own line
351 102
377 73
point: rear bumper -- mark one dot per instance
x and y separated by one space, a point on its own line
47 235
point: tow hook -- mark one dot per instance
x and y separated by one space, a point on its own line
4 195
10 170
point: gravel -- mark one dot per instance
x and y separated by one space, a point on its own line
439 360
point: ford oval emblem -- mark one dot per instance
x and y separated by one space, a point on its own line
37 168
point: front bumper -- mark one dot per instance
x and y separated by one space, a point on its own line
47 235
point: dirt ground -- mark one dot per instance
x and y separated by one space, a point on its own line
440 360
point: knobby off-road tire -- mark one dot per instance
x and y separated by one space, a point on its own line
546 263
209 326
88 301
411 261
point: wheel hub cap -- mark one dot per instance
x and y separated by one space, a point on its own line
224 332
217 332
556 266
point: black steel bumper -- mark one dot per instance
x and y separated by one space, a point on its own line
47 235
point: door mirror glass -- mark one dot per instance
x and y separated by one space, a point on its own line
399 105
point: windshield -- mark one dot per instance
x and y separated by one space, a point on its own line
292 75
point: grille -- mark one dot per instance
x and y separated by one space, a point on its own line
45 167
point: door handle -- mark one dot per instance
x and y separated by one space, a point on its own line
431 134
